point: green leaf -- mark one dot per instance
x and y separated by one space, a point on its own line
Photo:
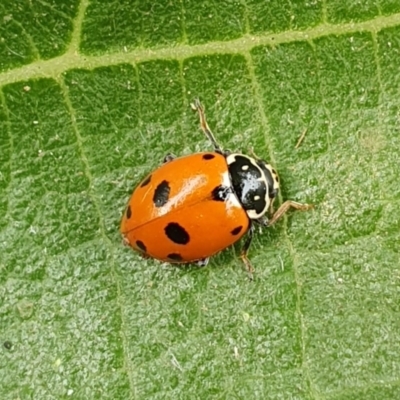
94 94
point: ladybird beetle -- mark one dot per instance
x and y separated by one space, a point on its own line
194 206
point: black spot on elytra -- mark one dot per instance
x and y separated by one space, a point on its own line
175 257
128 212
277 178
274 171
141 245
237 230
220 193
177 233
146 181
208 156
161 194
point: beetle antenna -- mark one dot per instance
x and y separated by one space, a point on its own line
197 106
253 154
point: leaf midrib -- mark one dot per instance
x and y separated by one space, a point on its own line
73 59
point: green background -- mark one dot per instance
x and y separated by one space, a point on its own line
94 94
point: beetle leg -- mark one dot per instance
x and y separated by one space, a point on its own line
285 207
197 106
203 262
263 221
245 250
271 206
169 157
